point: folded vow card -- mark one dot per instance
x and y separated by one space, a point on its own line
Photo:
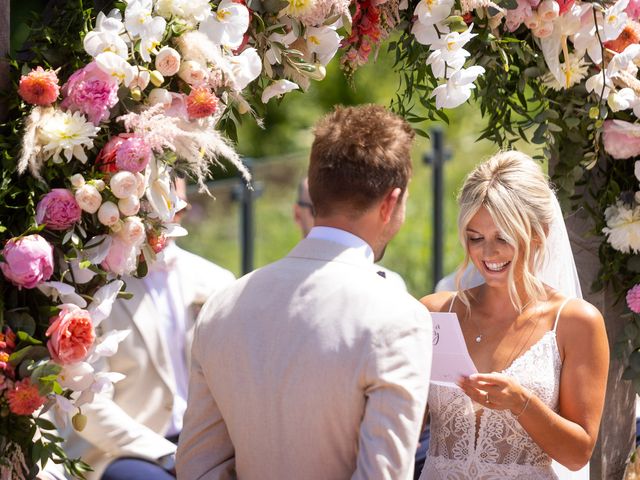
451 359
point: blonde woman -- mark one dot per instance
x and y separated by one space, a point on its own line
542 354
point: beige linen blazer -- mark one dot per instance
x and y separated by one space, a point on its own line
311 368
131 420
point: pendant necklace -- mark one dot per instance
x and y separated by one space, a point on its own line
480 335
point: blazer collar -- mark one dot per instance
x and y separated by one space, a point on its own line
328 251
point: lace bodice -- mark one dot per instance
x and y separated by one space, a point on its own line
503 449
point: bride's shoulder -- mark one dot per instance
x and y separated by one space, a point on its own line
576 314
438 302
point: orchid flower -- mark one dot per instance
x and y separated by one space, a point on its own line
431 12
323 42
458 88
244 68
227 25
116 66
426 34
277 89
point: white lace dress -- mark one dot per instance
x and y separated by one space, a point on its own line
503 449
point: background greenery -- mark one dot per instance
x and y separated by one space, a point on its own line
282 150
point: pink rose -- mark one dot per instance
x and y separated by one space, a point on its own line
70 335
133 154
92 92
27 261
621 139
39 87
122 257
106 159
58 209
168 61
633 9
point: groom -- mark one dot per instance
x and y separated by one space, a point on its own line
311 367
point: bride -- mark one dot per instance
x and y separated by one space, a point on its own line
541 351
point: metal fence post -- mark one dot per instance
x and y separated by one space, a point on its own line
246 195
436 159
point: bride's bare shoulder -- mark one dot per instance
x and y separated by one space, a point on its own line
438 302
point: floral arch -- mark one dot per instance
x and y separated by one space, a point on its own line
147 89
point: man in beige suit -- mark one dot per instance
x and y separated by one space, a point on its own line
132 431
313 368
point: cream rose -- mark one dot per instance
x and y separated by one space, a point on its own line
160 96
89 198
130 205
108 214
168 61
132 232
124 184
193 73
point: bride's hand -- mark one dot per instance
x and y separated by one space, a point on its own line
496 391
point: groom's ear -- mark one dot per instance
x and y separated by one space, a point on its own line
389 203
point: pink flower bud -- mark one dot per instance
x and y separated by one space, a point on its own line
108 214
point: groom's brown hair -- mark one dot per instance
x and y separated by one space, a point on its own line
358 155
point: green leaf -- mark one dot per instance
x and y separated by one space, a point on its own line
45 424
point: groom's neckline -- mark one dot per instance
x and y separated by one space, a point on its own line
343 237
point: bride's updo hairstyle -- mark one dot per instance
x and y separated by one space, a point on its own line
516 193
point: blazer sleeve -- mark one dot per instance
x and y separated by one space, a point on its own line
396 384
113 431
205 450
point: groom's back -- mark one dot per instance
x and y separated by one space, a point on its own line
289 355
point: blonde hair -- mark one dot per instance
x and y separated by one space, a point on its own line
516 193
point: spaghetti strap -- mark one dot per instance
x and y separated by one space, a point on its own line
453 299
555 325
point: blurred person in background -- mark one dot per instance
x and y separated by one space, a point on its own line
132 431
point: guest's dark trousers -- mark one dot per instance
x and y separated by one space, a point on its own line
129 468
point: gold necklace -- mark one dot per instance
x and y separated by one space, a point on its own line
480 335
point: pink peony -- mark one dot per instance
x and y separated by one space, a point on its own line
58 209
27 261
633 298
24 398
201 103
621 139
70 335
106 159
39 87
133 154
92 92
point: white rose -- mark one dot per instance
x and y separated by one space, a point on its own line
192 73
77 180
133 232
108 214
124 184
168 61
88 198
142 184
548 10
130 205
160 95
544 30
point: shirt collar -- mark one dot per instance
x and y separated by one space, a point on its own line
345 238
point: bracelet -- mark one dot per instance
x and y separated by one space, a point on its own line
526 404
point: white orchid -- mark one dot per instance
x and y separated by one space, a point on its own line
117 67
323 42
107 36
622 99
277 89
273 52
442 69
450 45
615 20
68 134
430 12
227 25
426 34
161 197
244 68
62 291
100 307
458 88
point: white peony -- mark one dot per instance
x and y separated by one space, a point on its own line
67 133
623 227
